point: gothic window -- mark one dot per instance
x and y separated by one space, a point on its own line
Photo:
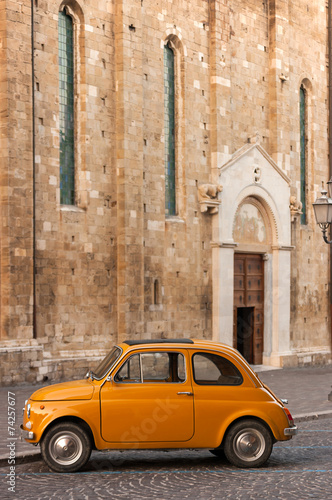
66 109
169 105
303 150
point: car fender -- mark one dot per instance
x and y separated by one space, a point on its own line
49 412
276 421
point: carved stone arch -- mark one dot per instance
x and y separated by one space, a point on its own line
307 83
174 38
254 222
74 9
264 203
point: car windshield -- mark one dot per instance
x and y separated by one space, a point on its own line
107 363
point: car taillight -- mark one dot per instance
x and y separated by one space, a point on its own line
289 417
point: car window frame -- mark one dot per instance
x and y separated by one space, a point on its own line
163 382
108 369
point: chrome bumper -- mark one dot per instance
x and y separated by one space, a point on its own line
26 434
291 431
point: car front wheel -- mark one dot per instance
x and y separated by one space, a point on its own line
66 447
248 443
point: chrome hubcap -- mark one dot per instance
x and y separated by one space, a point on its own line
65 448
249 444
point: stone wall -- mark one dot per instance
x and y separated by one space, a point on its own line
113 266
16 173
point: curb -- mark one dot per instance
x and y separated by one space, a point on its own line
27 457
21 459
306 417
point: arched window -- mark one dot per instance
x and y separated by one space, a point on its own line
169 107
66 109
303 150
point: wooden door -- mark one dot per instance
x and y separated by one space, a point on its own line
249 293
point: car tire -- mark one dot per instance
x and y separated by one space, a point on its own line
248 443
66 447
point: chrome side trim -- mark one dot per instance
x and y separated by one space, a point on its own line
291 431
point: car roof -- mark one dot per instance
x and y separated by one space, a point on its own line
159 341
176 342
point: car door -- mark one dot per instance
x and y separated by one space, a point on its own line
149 399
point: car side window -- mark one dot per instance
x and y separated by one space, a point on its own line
153 367
211 369
130 371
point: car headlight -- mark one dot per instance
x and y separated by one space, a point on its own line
28 410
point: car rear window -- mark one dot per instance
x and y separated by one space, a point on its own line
212 369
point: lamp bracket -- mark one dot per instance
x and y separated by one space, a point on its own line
324 229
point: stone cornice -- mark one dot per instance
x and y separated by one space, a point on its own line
221 244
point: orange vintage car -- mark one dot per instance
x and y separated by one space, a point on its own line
149 394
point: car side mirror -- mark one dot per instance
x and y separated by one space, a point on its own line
109 378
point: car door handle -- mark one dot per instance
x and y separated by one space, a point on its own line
185 394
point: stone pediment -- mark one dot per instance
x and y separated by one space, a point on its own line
252 176
254 150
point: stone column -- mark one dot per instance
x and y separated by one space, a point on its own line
223 290
279 149
220 85
279 113
280 304
129 154
221 140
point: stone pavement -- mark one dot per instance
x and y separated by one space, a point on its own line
307 391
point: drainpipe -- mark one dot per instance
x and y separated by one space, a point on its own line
329 25
33 171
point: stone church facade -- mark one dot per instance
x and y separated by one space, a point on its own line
159 161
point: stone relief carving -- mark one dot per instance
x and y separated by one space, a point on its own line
208 197
295 207
257 174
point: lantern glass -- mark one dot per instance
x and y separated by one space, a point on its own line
323 210
329 186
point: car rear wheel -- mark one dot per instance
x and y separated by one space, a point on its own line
66 447
248 443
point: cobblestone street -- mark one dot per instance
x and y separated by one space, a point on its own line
298 469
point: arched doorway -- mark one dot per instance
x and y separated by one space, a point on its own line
251 257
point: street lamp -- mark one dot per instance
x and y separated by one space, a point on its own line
323 210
